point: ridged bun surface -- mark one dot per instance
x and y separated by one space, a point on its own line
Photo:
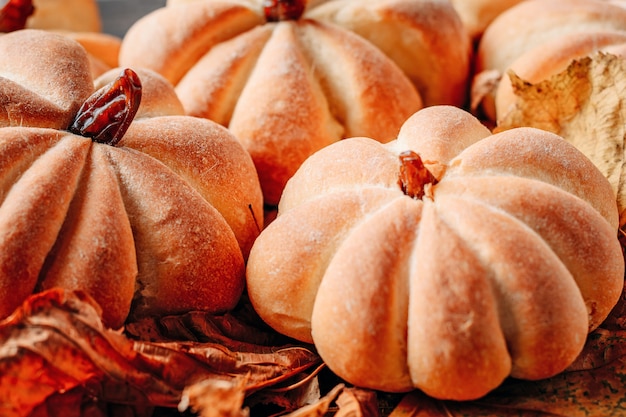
159 223
289 88
501 269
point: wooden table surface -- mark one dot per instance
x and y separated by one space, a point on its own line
118 15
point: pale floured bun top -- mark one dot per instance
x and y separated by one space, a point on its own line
102 49
46 80
448 291
158 95
534 22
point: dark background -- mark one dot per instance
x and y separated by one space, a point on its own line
118 15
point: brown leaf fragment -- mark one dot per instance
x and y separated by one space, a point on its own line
357 402
586 105
418 404
215 398
70 404
321 407
79 403
32 358
300 391
56 344
234 330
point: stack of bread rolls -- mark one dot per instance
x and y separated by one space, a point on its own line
411 245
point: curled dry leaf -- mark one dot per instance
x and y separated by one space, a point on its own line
321 407
56 343
214 398
357 402
291 396
586 105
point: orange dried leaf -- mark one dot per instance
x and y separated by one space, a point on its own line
357 402
214 398
321 407
56 343
298 392
586 105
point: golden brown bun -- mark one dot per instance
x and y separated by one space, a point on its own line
478 14
424 38
42 89
501 270
288 89
158 97
535 23
70 15
161 223
102 49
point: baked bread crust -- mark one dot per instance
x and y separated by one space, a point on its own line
161 223
476 15
102 49
70 15
424 38
45 99
287 89
542 28
501 270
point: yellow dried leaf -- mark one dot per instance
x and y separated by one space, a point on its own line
215 398
586 105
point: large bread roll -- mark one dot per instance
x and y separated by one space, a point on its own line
496 261
158 221
288 88
77 19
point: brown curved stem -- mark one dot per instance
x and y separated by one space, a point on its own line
14 14
278 10
106 114
414 176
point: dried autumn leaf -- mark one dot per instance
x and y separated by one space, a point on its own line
56 343
321 407
586 105
289 397
241 330
213 398
357 402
